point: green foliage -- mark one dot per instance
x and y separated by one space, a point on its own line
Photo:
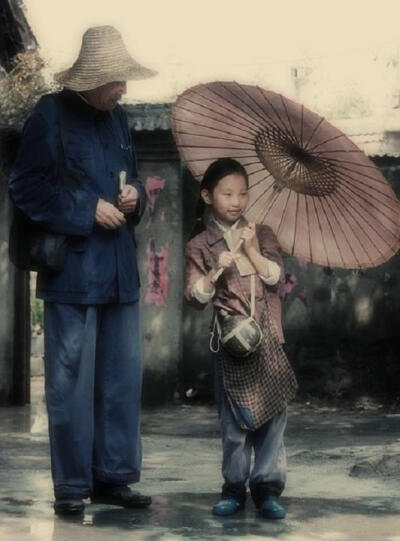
21 88
37 314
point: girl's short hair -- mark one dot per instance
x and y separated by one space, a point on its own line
219 169
215 172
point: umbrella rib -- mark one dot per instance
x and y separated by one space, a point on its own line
258 170
307 173
326 141
284 162
267 117
283 212
251 163
332 151
295 221
251 109
280 155
259 197
360 173
332 231
349 182
315 129
335 170
216 137
185 145
269 207
289 120
346 203
283 130
213 129
260 181
345 176
208 159
343 232
321 231
243 102
236 111
276 136
301 125
239 125
340 161
308 228
359 198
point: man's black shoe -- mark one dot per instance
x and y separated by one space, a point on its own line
68 507
120 495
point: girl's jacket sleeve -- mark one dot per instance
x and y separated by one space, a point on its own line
196 268
270 248
33 180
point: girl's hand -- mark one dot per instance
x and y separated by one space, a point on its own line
225 260
248 236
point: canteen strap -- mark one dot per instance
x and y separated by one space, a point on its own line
215 333
252 294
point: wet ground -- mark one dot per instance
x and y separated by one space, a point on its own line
181 470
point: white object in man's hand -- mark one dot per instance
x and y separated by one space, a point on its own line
108 216
128 199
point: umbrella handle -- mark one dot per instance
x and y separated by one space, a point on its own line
220 271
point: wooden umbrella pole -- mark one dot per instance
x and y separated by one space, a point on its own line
220 271
276 190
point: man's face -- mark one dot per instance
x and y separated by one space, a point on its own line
107 96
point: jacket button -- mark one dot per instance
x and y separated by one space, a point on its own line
111 174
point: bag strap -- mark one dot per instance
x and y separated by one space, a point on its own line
68 176
61 123
215 333
252 294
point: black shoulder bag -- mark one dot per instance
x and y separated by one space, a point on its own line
32 247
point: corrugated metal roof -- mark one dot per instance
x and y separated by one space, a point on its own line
149 116
376 136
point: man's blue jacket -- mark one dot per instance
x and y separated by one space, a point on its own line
101 265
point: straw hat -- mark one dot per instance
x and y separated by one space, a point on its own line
103 58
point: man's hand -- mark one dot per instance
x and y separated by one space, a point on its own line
128 199
108 216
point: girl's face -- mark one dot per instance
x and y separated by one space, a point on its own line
229 198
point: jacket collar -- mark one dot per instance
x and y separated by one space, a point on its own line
215 233
79 104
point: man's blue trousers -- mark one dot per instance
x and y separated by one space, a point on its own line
93 378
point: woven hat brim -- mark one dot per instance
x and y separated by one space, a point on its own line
79 81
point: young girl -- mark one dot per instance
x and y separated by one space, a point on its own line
252 392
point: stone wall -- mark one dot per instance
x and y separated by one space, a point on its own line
12 366
160 247
341 326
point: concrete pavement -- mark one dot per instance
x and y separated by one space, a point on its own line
181 470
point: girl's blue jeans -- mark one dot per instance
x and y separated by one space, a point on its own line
267 473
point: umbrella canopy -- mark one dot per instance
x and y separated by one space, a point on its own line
324 198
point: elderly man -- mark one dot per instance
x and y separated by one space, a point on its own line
91 322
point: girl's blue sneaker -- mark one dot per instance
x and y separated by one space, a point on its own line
227 506
272 509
